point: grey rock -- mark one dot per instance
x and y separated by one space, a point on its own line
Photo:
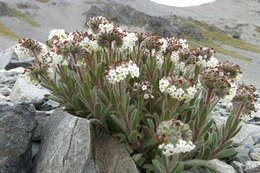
16 126
239 167
41 120
36 146
9 60
6 55
243 154
24 90
222 167
4 99
5 91
252 167
249 134
67 146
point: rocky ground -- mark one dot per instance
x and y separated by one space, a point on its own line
35 134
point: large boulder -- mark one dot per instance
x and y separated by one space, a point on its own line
68 145
24 90
16 128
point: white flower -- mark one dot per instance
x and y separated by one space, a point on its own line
175 57
60 33
163 84
144 87
181 147
121 72
89 45
129 41
22 52
106 27
164 45
211 62
184 43
177 93
232 93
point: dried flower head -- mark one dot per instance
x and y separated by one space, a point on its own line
153 43
231 70
244 101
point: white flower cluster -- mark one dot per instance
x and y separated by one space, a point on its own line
120 72
89 45
208 62
182 146
129 41
177 93
164 44
59 33
184 43
175 57
103 24
23 52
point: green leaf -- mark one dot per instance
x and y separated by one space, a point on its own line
200 163
159 167
150 142
226 153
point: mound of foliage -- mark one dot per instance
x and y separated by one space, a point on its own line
154 94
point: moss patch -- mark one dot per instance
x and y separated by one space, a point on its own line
24 17
7 32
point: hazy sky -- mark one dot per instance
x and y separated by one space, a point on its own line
182 3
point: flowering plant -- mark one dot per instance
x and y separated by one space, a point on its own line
154 94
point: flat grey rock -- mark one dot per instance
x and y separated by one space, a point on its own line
67 147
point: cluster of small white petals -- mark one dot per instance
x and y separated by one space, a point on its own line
177 93
184 43
121 72
22 52
163 85
89 45
129 41
60 33
211 62
182 146
175 57
106 27
44 49
164 45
